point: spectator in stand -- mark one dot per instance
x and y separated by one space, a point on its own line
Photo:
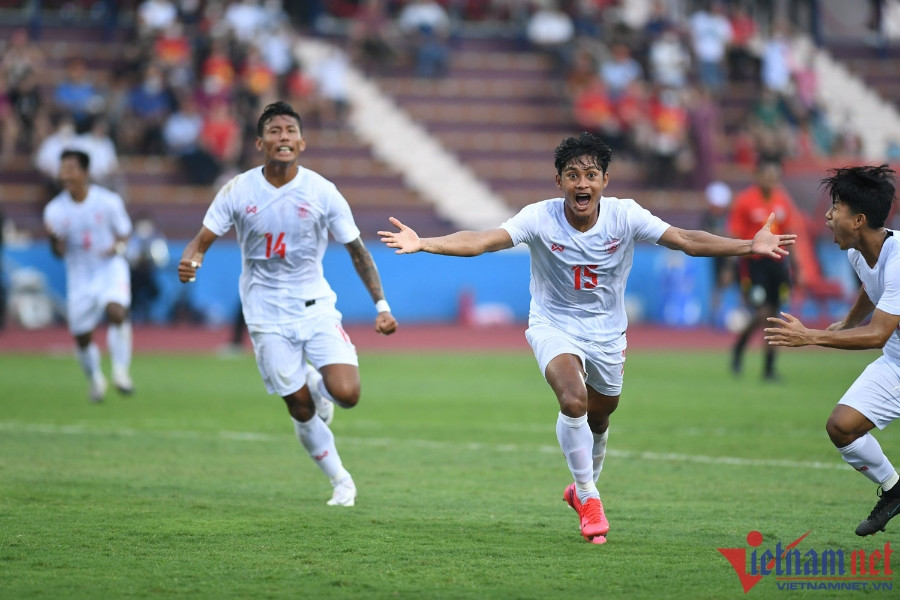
46 159
218 74
769 123
221 136
147 252
743 65
427 27
21 62
244 19
552 31
330 75
620 70
104 160
258 84
28 109
150 103
276 47
777 62
181 133
595 112
9 125
373 38
711 33
706 133
154 16
173 53
300 90
670 155
77 95
670 61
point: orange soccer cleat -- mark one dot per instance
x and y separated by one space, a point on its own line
594 525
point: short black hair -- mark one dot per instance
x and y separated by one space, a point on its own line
273 110
866 189
82 157
586 144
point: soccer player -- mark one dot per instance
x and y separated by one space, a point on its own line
861 198
88 227
582 246
282 214
765 283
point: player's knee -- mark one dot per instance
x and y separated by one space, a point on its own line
302 409
572 403
345 393
840 436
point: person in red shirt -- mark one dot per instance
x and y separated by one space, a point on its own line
765 283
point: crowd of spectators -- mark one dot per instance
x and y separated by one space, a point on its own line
192 79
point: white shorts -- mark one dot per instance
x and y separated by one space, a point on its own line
876 392
604 364
86 301
281 354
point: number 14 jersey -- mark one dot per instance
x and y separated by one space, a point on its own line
283 233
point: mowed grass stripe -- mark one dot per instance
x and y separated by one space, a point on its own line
247 436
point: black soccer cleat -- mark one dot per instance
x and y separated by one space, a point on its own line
887 507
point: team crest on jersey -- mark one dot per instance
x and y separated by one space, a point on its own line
557 247
303 211
251 210
612 246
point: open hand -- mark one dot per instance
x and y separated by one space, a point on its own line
789 331
769 244
406 241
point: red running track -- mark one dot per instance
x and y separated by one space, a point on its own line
409 338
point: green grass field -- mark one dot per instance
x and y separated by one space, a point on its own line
197 488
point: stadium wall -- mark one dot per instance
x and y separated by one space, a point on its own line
665 287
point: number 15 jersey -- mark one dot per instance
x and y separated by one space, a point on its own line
283 234
578 278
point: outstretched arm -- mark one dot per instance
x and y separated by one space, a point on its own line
789 331
461 243
193 254
701 243
368 273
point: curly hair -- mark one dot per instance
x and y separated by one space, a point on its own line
586 145
866 189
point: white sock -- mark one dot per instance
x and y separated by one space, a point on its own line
865 455
319 443
599 452
890 482
89 359
118 338
574 437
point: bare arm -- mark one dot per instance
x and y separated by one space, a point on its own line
791 332
861 309
193 254
461 243
368 273
701 243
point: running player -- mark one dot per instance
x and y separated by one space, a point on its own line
582 247
282 214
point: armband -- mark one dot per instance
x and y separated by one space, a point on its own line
382 306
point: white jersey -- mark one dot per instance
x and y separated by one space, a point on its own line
283 234
882 285
89 229
578 279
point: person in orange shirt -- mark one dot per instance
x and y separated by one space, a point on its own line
765 283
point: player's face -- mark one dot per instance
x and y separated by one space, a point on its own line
281 140
582 182
843 224
71 175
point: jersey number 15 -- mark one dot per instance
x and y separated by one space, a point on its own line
585 277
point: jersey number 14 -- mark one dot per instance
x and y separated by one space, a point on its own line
275 245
